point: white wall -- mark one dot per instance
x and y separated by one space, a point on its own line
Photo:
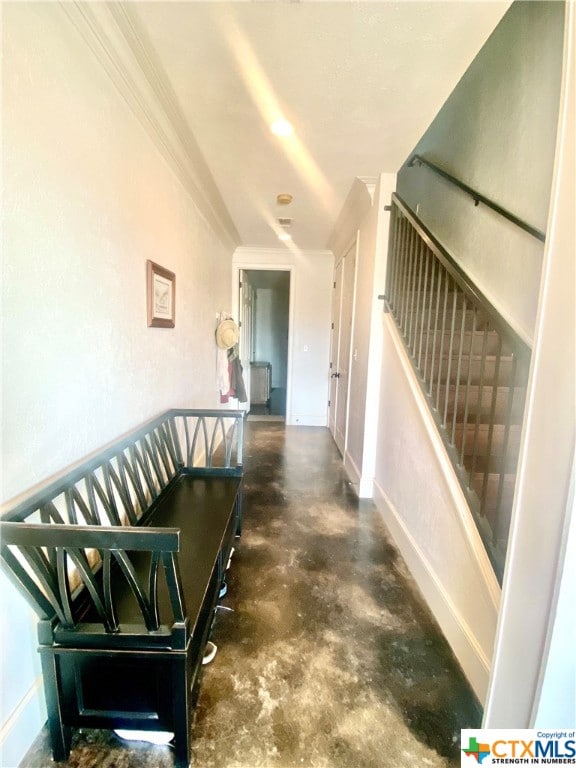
428 516
309 343
263 318
272 311
496 132
87 199
22 707
386 186
535 634
555 705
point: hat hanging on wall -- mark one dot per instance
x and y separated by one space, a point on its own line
227 334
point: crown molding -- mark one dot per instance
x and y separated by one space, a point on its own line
261 253
121 47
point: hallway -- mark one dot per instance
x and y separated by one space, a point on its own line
330 658
273 410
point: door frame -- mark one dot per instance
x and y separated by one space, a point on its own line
336 344
260 267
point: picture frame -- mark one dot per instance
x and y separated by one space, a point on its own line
161 296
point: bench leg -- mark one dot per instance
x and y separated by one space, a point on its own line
60 734
181 713
239 513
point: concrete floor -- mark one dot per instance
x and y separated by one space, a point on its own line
273 410
330 658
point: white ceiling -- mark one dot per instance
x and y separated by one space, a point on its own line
359 81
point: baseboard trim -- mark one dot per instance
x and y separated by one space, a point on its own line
304 420
22 726
364 487
474 662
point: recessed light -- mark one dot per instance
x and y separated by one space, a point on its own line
282 127
284 198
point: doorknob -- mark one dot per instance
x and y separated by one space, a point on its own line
335 376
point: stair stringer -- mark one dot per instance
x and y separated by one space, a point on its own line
424 507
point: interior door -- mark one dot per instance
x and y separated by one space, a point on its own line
342 374
246 319
334 347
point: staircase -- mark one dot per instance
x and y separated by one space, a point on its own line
472 366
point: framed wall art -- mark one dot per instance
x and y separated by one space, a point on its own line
161 296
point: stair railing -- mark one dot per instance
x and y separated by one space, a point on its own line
418 160
472 367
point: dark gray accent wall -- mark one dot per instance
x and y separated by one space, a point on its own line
497 133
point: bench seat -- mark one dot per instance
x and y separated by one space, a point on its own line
202 509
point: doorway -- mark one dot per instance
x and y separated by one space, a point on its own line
265 322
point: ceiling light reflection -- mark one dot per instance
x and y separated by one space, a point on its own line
265 99
282 128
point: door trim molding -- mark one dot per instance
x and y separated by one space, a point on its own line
260 267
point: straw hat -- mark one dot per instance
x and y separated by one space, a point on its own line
227 334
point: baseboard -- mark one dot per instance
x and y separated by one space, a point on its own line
22 726
474 662
305 420
352 471
364 487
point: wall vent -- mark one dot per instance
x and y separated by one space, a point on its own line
285 222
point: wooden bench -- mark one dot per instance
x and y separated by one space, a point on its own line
123 559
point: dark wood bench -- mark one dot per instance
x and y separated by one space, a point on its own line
123 559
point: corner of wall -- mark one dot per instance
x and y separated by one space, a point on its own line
357 204
362 485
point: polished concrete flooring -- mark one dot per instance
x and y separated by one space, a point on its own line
330 658
273 410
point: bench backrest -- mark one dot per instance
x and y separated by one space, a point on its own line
54 542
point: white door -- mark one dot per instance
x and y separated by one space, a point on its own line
340 371
246 320
334 346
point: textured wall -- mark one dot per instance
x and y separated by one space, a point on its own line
429 518
496 132
87 199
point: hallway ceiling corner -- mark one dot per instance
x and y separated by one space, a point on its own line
359 81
